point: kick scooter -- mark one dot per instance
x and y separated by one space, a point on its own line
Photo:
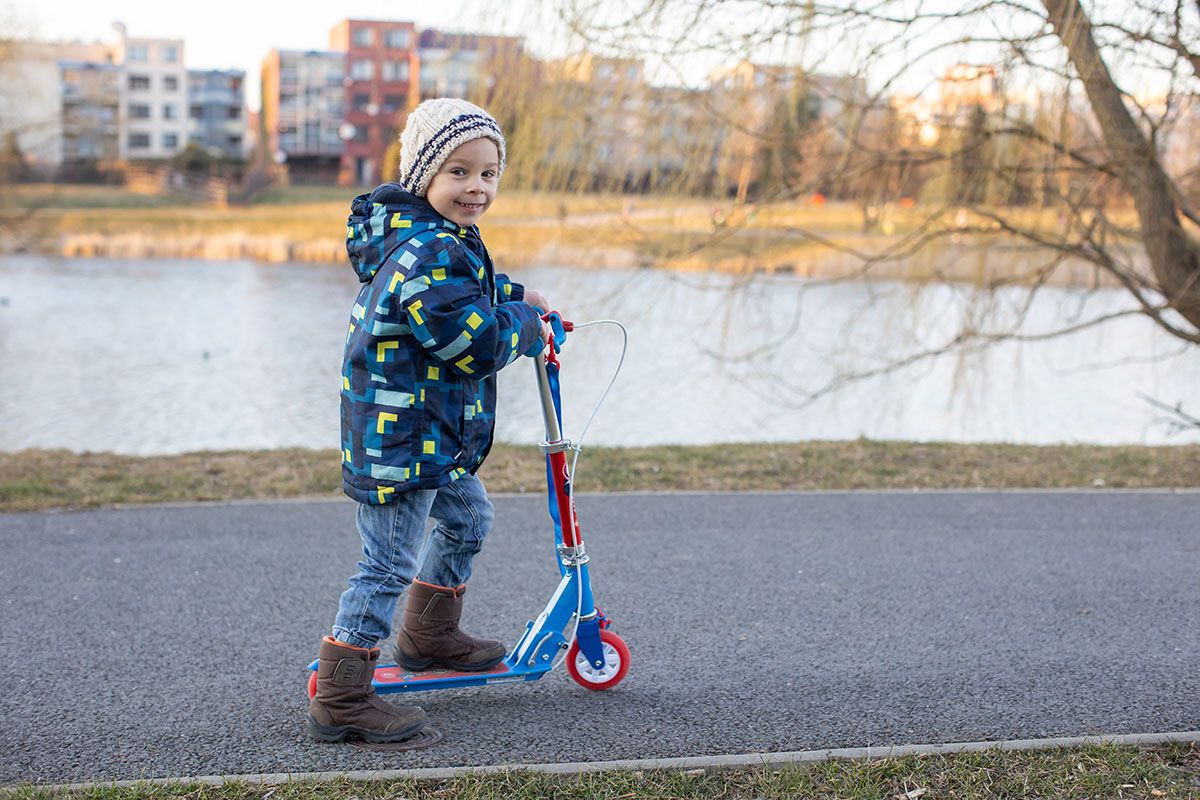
596 657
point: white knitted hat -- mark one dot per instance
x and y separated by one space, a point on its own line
433 131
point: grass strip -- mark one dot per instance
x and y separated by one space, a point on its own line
1096 771
34 480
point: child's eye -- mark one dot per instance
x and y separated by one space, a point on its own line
459 171
487 173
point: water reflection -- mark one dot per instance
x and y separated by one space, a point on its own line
162 357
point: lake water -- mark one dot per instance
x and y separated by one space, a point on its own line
166 357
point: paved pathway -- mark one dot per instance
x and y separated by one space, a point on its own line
172 641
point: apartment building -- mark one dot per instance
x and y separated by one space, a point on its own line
382 83
464 64
154 100
596 119
31 97
681 141
217 111
91 108
303 111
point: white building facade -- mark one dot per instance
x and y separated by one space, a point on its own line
154 109
216 111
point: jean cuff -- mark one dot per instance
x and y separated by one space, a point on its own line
347 637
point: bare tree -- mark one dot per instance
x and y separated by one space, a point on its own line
1075 171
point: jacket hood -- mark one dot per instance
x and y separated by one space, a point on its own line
373 231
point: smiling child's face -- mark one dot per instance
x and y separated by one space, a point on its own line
465 186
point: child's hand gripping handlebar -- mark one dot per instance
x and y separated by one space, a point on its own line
559 328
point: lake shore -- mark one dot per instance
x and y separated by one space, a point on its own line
301 225
36 480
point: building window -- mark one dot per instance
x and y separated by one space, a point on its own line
170 112
139 81
397 39
363 38
170 53
361 69
361 101
395 71
233 112
138 52
170 141
171 83
392 103
196 112
139 140
235 141
139 111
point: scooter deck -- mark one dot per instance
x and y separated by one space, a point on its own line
390 678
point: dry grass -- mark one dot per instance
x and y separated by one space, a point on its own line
43 479
1108 771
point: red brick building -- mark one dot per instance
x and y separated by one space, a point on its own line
382 85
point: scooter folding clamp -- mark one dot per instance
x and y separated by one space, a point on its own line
573 556
556 447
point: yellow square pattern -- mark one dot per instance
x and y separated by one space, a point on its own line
474 321
429 447
434 373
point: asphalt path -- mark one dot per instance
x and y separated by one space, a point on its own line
172 641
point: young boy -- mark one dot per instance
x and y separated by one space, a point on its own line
432 325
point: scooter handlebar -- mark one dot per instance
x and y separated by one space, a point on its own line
559 328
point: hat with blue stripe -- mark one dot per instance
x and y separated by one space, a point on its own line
434 130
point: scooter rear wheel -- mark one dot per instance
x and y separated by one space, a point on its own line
616 663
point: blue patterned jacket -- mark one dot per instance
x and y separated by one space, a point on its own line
430 328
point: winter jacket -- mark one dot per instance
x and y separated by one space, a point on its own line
430 328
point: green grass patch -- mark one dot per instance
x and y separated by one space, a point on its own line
1103 771
43 479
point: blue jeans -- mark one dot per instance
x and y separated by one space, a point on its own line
392 537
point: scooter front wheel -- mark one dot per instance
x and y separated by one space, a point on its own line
312 684
616 663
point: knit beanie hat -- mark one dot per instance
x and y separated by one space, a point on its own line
433 131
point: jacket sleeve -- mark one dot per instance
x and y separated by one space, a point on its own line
507 289
445 299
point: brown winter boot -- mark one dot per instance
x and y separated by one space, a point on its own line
431 638
346 704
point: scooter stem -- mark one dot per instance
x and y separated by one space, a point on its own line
553 433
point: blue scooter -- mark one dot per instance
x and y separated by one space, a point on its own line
596 657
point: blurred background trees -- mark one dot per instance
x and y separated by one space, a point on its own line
1066 128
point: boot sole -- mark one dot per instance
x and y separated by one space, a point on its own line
422 664
339 733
